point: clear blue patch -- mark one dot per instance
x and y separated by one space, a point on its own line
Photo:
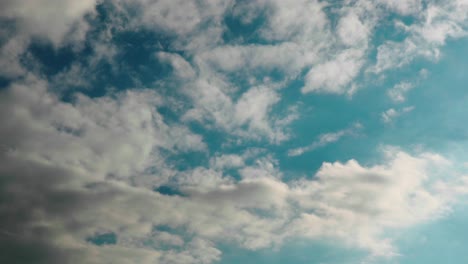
441 241
4 82
51 59
103 239
168 190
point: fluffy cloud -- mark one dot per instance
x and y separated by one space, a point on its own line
352 31
56 207
334 76
49 19
358 203
56 202
300 20
438 22
83 134
73 171
248 117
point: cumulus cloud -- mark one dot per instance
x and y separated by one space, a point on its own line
299 20
56 202
74 169
71 171
83 134
352 31
334 76
49 19
348 198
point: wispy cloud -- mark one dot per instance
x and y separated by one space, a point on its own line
325 139
391 114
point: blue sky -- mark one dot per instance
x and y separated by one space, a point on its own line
267 131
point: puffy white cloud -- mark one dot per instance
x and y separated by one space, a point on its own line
72 170
352 31
299 20
49 19
437 23
195 25
335 76
358 203
113 135
253 106
440 22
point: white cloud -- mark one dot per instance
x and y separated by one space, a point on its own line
352 31
325 139
437 23
201 180
358 203
116 135
10 54
253 106
300 20
248 117
72 170
398 92
390 114
227 161
181 67
49 19
391 55
194 25
289 57
404 7
334 76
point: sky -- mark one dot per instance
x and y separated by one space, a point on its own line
233 131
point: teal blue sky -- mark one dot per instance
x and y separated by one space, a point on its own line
231 131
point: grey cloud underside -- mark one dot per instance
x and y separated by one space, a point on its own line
72 170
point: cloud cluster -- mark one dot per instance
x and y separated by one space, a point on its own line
73 171
80 169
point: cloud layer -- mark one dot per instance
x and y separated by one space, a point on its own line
155 131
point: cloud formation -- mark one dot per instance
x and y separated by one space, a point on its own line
101 102
325 139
